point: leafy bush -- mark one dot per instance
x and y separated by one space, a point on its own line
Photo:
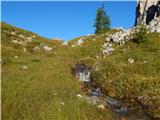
140 35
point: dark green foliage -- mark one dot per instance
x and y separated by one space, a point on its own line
36 60
36 41
140 35
102 21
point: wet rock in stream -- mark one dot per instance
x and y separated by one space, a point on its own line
82 72
96 97
95 92
113 103
92 100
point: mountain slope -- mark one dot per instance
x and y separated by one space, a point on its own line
40 84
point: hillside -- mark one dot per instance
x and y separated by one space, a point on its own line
21 40
41 82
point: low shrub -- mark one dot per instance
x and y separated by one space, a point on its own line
140 35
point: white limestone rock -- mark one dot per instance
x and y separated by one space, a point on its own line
17 42
29 39
107 49
21 36
73 45
24 67
47 48
36 48
80 41
130 60
146 11
62 103
101 106
16 57
13 33
79 96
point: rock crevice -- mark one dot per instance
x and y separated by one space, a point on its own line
146 11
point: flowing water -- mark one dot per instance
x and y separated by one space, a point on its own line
82 73
95 96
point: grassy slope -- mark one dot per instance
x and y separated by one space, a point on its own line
123 80
29 94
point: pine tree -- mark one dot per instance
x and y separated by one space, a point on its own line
102 21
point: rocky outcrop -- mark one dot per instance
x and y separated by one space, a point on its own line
146 11
154 25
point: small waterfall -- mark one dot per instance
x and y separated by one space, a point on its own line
82 72
95 96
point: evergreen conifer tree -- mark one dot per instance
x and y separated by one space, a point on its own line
102 21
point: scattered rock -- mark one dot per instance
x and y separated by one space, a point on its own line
15 57
21 36
72 45
62 103
80 41
79 96
107 49
145 61
130 60
97 57
122 35
29 39
36 48
47 48
16 42
24 67
55 94
13 33
108 39
101 106
33 36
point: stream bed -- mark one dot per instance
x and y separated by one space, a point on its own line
95 96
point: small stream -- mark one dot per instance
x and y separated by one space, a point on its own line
82 73
95 96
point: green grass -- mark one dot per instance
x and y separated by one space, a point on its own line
133 80
29 94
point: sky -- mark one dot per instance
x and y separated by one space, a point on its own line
65 20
